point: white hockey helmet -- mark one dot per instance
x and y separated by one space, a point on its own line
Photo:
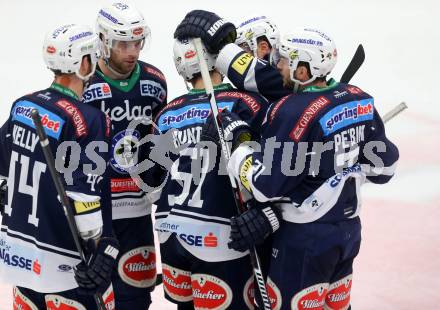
256 27
120 22
186 60
65 46
310 46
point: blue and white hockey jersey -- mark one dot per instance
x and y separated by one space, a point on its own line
37 250
326 142
135 99
197 201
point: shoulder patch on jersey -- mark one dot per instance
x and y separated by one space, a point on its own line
153 89
354 90
347 114
252 104
52 123
276 107
307 117
75 115
97 91
154 72
242 63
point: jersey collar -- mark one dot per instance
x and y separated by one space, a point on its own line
123 85
64 90
315 89
223 86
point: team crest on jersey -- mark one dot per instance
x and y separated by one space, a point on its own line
152 89
177 283
125 150
57 302
97 91
52 123
273 293
312 297
138 267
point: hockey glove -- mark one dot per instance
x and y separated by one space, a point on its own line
214 31
94 277
253 226
3 191
235 129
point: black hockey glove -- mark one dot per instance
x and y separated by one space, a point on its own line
3 191
94 277
253 226
214 31
235 129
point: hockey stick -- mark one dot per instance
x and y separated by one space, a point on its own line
396 110
67 207
255 261
354 65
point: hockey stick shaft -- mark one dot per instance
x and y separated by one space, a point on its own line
255 261
396 110
354 65
67 207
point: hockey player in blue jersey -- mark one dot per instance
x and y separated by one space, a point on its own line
199 271
331 140
37 251
127 90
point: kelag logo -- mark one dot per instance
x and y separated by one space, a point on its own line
347 114
51 122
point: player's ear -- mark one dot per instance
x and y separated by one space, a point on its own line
86 65
301 73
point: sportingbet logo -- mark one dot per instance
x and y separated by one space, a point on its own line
216 26
187 114
97 91
51 122
350 113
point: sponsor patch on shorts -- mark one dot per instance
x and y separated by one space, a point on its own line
338 296
210 292
137 267
177 283
59 302
273 292
312 297
21 301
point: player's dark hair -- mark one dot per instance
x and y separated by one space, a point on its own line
264 39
